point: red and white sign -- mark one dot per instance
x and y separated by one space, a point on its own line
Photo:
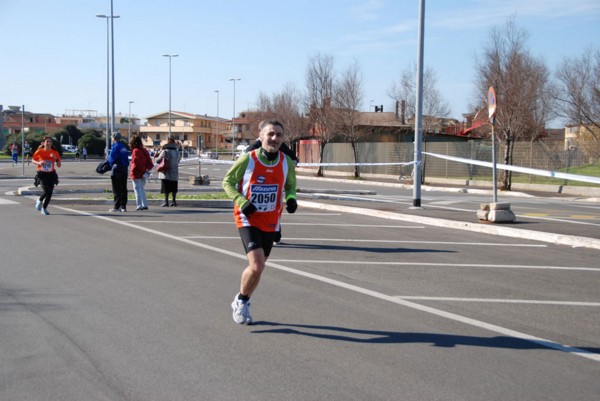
491 103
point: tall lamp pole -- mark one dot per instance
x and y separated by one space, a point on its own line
217 147
170 56
419 110
129 120
23 138
233 119
108 47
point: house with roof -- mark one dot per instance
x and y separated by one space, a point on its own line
188 129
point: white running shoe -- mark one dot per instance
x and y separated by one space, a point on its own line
45 212
38 205
241 311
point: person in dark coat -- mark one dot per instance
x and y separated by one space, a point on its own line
169 178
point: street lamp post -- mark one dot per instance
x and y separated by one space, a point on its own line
419 110
108 59
170 56
233 119
217 147
129 121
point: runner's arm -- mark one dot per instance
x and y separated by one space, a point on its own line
233 178
290 182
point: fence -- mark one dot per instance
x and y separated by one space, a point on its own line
537 155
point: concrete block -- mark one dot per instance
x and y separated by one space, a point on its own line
499 206
501 216
199 180
482 214
484 206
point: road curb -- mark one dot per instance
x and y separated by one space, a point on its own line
569 240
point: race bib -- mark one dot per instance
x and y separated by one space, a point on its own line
264 197
47 166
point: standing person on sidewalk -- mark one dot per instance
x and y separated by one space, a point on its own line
46 158
141 163
118 157
169 179
14 153
256 183
26 152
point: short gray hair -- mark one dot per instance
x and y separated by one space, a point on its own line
270 121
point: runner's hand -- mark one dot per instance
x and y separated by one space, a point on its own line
291 205
248 209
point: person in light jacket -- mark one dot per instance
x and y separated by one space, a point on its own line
170 177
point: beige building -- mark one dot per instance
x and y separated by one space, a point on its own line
187 128
580 133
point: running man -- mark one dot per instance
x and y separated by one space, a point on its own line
256 183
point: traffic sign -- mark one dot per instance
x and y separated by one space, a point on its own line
491 104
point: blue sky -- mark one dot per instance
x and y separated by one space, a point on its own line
54 52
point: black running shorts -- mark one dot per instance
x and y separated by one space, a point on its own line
253 238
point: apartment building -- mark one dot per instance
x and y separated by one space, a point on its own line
187 128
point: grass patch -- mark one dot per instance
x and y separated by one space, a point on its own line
591 170
180 196
206 196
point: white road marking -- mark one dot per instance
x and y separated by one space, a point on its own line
385 241
437 312
354 262
4 201
585 223
286 223
501 301
539 236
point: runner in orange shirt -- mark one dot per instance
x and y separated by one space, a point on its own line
260 183
46 158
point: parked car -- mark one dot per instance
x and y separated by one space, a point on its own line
209 155
241 149
69 148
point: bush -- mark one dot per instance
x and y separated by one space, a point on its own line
94 142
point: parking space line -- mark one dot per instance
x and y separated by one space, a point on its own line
391 241
381 241
287 223
354 262
378 295
501 301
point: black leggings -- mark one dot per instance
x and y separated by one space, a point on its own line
47 181
47 195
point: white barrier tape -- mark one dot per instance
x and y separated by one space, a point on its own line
216 161
527 170
207 161
352 164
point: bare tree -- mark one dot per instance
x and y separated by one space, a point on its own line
319 92
287 107
578 93
521 83
348 98
406 89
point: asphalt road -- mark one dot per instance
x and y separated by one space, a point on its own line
135 306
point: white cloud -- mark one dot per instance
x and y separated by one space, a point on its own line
368 11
